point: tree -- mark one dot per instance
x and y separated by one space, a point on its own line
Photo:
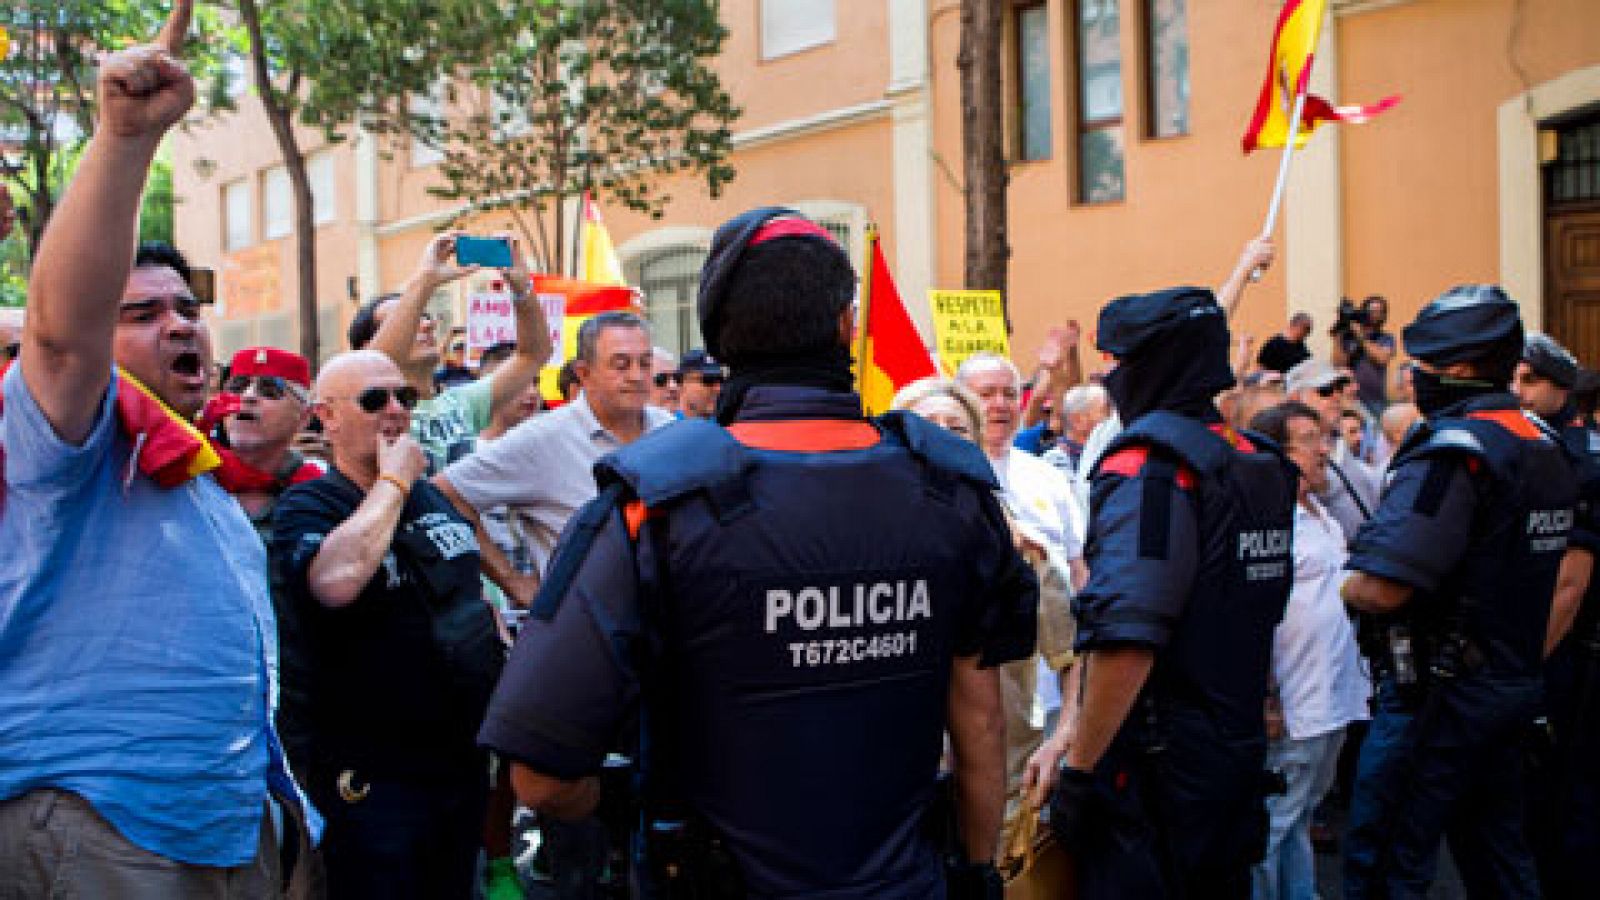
608 96
47 87
983 146
333 63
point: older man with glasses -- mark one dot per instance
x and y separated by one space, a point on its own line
264 405
392 653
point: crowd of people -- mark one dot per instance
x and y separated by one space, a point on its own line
399 628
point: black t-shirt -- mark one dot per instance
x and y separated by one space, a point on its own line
1281 354
394 684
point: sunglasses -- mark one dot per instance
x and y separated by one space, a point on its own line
1328 390
268 387
374 399
709 380
663 379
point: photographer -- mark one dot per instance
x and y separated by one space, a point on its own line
1361 345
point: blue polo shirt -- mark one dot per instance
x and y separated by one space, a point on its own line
138 650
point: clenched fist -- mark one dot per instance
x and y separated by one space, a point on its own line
145 90
401 457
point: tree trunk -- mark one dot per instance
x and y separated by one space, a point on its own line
983 146
280 117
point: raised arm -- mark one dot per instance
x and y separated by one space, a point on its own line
533 334
1257 254
87 250
434 270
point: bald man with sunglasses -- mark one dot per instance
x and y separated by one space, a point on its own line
389 650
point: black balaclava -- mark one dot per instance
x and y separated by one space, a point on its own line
1474 323
828 368
1172 353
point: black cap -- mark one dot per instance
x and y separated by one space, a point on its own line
1129 324
728 246
1467 323
1548 359
700 361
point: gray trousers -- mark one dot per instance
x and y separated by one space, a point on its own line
54 845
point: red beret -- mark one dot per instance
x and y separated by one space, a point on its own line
272 361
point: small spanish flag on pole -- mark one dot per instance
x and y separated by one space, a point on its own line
599 264
890 353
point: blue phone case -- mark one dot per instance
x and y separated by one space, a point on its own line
477 251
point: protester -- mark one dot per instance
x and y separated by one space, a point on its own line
1082 409
1454 577
1396 423
396 651
1400 389
1316 669
1361 344
268 403
664 380
1351 492
1059 369
1352 433
1160 790
1036 496
700 380
1283 352
541 468
136 631
453 370
399 326
769 769
944 403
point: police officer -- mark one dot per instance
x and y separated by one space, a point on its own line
1453 578
1161 792
1564 786
798 600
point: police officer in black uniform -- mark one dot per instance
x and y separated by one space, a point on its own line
1162 789
1564 784
799 601
1453 577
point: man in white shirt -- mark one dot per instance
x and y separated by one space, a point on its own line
1316 665
1035 493
541 469
1350 489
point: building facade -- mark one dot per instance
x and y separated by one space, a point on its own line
1124 120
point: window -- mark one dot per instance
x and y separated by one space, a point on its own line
1099 61
319 171
670 279
277 204
789 26
431 106
238 214
1033 81
1166 47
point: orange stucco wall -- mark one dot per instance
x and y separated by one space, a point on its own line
1421 186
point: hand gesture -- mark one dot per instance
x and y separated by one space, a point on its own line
518 276
1257 257
437 265
1053 350
401 457
145 90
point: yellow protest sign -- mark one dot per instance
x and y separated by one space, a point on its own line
967 322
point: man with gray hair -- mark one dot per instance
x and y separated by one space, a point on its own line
1082 409
541 468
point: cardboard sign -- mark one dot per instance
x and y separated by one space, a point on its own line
492 319
967 322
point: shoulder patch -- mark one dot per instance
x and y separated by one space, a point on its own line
1130 461
1512 420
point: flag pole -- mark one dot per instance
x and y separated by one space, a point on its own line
864 315
1284 162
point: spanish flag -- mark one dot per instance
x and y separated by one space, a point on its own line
1294 46
891 352
581 301
600 264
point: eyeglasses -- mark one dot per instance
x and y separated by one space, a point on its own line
374 399
1328 390
268 387
663 379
